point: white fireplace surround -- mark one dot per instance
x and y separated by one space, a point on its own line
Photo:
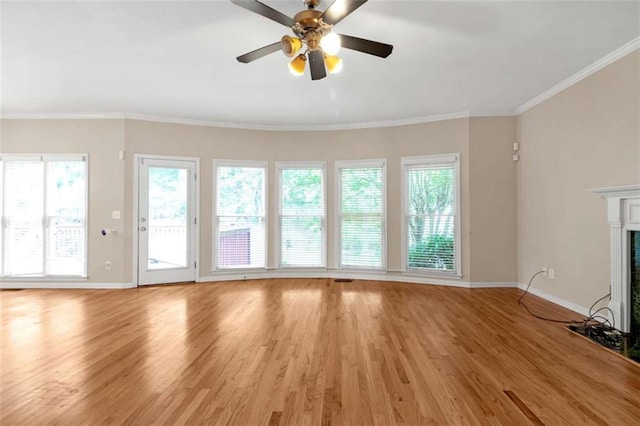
623 214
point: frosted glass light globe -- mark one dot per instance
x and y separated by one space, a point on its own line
330 44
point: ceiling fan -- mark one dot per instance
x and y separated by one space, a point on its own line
313 30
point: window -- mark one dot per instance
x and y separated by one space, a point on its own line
240 209
361 207
302 214
43 201
431 223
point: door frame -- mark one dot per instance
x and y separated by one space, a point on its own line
135 218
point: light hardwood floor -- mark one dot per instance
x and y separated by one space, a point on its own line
306 351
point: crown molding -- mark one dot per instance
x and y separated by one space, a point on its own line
619 53
234 125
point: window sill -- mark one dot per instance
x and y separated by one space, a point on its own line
432 274
300 268
259 269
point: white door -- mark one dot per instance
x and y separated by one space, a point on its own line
166 220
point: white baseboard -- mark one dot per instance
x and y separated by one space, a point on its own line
247 275
356 275
359 275
557 300
64 285
479 284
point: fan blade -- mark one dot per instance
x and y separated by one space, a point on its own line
366 46
340 9
264 10
316 65
259 53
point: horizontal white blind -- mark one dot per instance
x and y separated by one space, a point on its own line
240 216
302 217
431 216
361 217
43 216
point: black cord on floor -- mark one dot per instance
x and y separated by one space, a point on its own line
526 291
598 328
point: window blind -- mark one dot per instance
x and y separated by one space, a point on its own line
302 216
431 214
241 215
361 215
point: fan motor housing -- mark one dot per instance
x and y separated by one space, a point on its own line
309 19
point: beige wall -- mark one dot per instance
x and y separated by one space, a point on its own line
102 140
587 136
111 180
492 178
390 143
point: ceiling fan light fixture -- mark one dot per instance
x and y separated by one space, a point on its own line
313 39
290 45
330 43
297 65
333 63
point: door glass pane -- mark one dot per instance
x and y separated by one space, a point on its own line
168 218
66 207
23 239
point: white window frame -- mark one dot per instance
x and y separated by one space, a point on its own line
280 166
43 158
428 160
358 164
216 234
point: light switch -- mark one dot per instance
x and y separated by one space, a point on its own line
115 214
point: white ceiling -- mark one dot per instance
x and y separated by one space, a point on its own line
177 59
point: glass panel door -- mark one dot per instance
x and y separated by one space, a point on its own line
166 221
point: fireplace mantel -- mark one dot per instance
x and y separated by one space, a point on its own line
623 214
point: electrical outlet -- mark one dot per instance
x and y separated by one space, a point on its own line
544 271
552 273
107 265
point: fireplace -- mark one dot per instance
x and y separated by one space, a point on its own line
623 215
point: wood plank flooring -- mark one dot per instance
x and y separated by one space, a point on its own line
304 351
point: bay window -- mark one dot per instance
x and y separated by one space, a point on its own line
302 221
431 218
361 214
240 214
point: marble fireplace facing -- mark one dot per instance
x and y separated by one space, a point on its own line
623 214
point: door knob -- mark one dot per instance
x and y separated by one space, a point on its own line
142 228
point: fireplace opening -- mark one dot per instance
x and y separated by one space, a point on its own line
633 341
